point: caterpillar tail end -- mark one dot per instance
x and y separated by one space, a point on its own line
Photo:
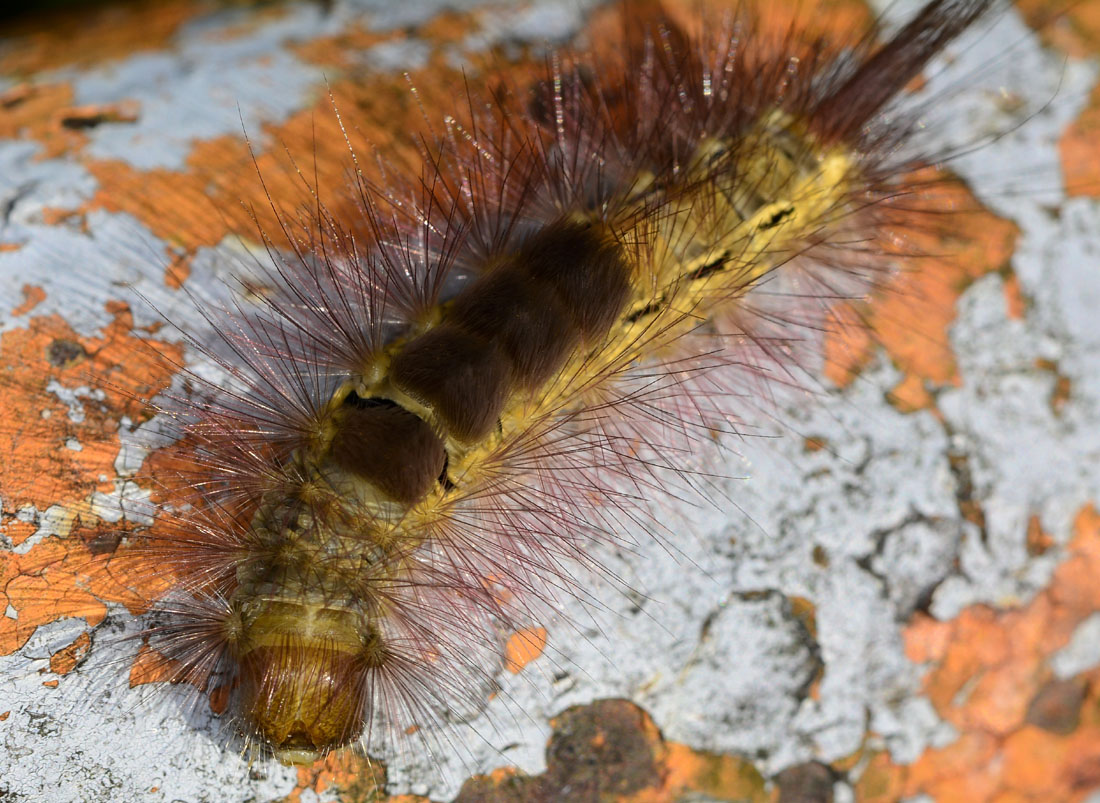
304 688
302 701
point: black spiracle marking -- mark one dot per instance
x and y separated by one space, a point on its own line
776 219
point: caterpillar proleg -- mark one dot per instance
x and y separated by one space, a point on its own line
467 372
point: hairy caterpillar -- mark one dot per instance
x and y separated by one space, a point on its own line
477 596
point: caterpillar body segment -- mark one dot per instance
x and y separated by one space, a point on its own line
451 431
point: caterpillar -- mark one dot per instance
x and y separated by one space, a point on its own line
430 423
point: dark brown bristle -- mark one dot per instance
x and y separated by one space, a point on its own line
522 315
391 448
588 273
464 377
844 113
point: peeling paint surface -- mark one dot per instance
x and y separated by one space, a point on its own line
895 600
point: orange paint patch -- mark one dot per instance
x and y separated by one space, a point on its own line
1015 303
910 395
57 579
27 112
174 460
52 216
786 24
1063 388
806 612
1079 151
65 660
32 297
910 319
48 461
36 468
814 444
1072 27
1023 735
220 191
43 113
849 344
358 779
92 34
716 776
150 666
178 271
259 15
343 50
1038 541
523 647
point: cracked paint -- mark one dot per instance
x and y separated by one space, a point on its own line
1023 733
57 576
